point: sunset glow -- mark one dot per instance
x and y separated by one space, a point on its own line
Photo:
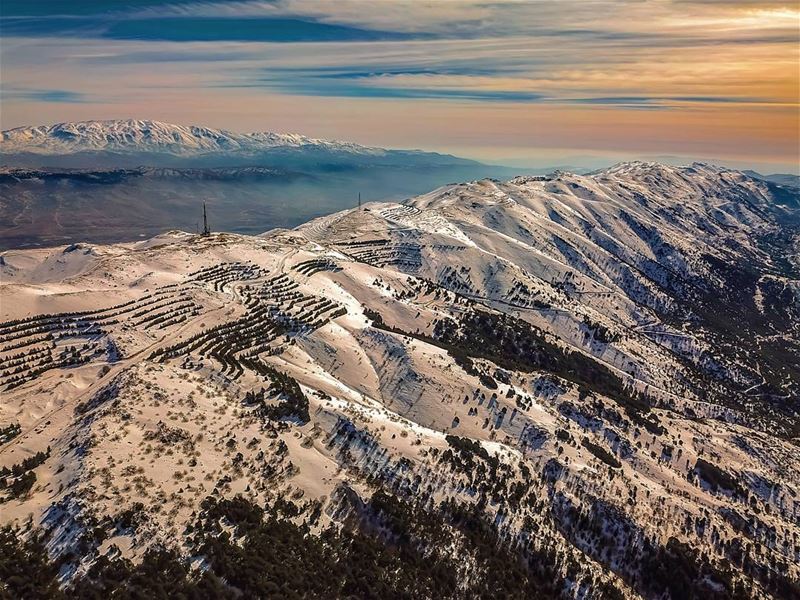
530 83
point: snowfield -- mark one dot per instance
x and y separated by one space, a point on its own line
622 346
134 135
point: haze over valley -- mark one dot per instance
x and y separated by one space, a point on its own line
109 181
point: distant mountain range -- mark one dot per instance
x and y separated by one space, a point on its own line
784 179
133 142
119 180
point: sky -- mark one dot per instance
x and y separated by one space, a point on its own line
522 83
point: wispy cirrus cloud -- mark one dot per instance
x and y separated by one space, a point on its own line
42 95
463 83
195 29
588 74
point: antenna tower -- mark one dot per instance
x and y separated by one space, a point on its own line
206 230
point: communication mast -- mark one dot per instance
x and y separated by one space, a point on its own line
206 230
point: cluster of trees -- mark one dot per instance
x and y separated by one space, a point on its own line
315 265
389 547
9 432
72 323
681 572
600 332
273 309
292 402
40 334
516 345
394 550
176 309
382 253
224 273
601 453
463 451
715 477
25 571
671 571
19 479
42 359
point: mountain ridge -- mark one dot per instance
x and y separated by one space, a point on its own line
144 135
521 379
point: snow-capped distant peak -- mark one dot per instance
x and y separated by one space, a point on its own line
135 135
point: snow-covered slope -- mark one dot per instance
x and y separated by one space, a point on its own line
599 372
147 136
